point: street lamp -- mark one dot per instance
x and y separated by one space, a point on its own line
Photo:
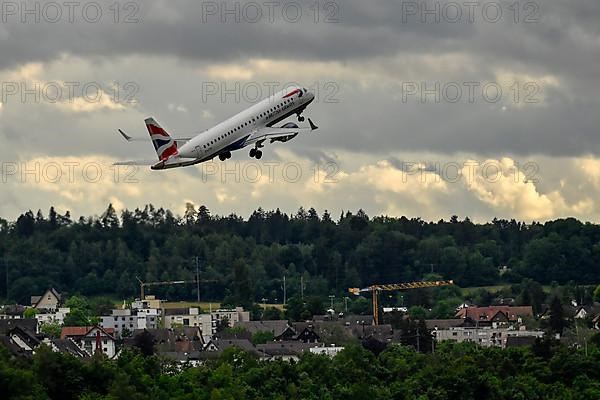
264 301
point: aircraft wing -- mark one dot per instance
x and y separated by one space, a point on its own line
277 134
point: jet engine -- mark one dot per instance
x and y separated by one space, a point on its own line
283 139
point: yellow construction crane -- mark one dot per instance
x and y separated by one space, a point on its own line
376 289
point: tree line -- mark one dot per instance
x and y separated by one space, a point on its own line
545 371
246 260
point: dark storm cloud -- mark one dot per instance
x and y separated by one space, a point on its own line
563 43
186 29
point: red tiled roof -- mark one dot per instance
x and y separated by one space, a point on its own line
70 331
487 313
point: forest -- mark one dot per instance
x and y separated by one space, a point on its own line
246 259
545 371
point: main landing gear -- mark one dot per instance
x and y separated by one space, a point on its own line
255 153
224 156
300 118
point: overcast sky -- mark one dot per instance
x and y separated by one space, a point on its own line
425 109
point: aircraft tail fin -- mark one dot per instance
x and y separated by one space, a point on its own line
163 143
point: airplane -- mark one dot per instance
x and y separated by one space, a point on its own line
251 127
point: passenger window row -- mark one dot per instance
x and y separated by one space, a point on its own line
246 124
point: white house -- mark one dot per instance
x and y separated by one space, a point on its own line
233 315
91 339
56 317
50 300
330 351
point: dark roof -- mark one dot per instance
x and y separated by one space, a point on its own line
26 335
357 319
332 332
592 310
182 356
277 327
13 309
520 341
241 344
29 324
13 348
69 347
350 319
172 340
228 334
284 348
380 332
488 313
443 323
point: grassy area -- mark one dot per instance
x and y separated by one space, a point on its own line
205 306
492 289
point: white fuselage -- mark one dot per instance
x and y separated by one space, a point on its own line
231 134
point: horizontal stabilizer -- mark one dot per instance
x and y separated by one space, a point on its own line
138 162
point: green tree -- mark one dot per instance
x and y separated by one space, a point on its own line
272 314
262 337
51 330
557 319
417 312
30 313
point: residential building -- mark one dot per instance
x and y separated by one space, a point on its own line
91 338
67 346
435 324
50 300
330 351
484 336
178 317
233 315
53 317
24 339
29 324
14 311
127 320
583 312
147 302
305 332
219 345
178 344
486 316
395 309
284 350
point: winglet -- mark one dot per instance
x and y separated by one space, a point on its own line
312 125
125 136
